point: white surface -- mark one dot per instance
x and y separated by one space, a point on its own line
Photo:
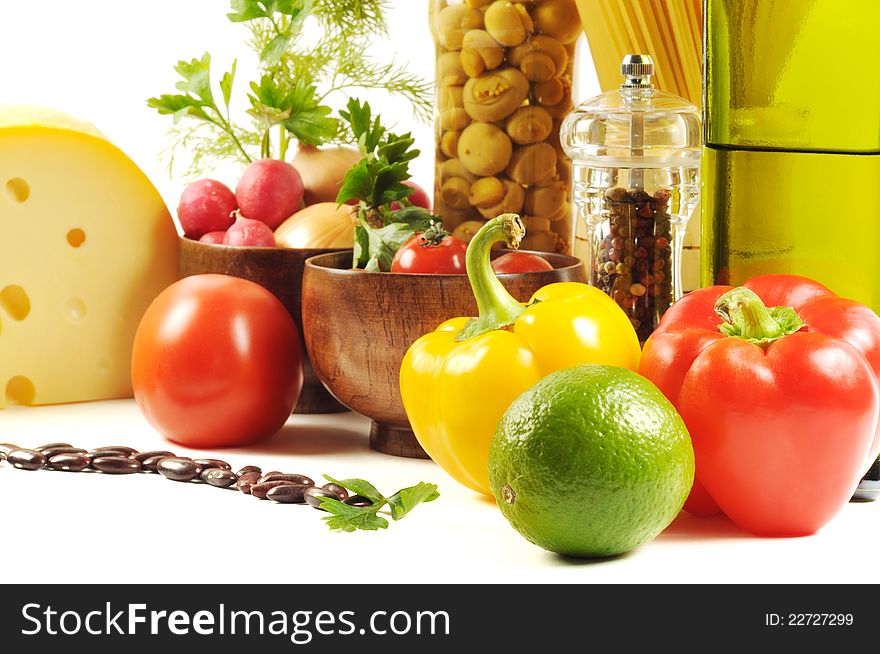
131 528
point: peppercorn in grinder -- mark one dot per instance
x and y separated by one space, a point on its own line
791 164
636 168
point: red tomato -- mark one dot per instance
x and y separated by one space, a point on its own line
216 362
417 256
520 262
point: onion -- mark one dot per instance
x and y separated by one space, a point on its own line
322 170
322 225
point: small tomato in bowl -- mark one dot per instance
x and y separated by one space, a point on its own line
433 251
520 262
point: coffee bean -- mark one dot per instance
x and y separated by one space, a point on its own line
68 462
314 495
248 469
262 489
116 465
149 464
49 446
49 452
288 494
6 448
26 459
101 452
358 500
178 468
340 492
143 456
246 481
125 450
219 477
213 463
292 478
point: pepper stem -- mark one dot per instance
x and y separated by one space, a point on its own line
497 307
747 317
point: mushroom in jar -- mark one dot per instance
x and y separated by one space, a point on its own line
541 58
529 125
495 95
508 23
480 52
533 164
485 150
453 22
558 19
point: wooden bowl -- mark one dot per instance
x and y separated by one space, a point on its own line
359 325
279 270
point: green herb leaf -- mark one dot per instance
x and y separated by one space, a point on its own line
244 10
388 186
351 518
309 121
196 75
275 48
418 218
361 247
226 83
384 242
377 180
178 106
357 183
367 131
270 103
397 149
359 487
406 499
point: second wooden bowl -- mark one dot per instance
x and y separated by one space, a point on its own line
358 326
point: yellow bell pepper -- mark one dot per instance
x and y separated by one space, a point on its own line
457 381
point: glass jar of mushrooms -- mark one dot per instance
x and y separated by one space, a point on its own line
504 78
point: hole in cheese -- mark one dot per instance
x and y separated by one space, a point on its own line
20 390
75 309
18 189
15 302
76 237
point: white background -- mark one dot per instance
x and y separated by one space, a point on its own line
100 60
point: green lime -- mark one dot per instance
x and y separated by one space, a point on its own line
591 461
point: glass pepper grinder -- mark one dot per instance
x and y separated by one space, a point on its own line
636 156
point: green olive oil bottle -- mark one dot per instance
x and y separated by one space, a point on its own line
791 164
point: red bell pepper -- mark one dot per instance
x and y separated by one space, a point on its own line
782 404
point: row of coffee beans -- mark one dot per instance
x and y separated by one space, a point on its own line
280 487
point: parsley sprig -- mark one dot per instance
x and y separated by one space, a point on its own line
376 182
351 518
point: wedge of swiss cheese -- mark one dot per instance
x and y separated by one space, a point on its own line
86 243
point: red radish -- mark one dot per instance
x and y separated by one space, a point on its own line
253 233
213 237
206 206
417 198
270 190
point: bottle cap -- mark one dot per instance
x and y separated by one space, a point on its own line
638 69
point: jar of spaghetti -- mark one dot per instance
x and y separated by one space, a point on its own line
503 86
636 154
